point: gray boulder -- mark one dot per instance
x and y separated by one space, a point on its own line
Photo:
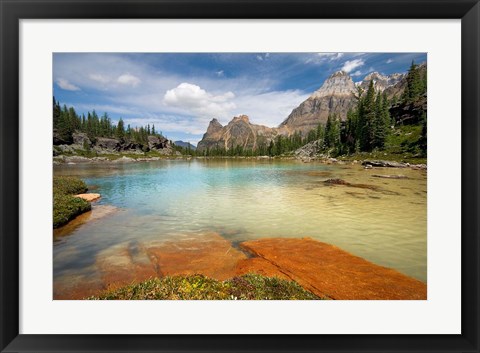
155 142
108 144
81 139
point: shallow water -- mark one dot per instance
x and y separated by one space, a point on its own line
383 220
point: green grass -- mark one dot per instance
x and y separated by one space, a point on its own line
69 185
65 206
199 287
401 145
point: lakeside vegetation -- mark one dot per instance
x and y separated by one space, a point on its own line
65 205
66 122
199 287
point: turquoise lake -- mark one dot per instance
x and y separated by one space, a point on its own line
380 219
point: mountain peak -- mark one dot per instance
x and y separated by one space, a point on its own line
213 126
339 73
338 84
381 81
242 117
238 132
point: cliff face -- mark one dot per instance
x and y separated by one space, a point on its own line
334 97
238 132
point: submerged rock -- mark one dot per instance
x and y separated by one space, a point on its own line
398 176
326 270
97 212
337 182
387 164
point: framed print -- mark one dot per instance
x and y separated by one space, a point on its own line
232 176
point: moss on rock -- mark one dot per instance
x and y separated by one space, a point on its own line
199 287
65 206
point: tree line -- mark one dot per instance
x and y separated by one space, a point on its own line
66 122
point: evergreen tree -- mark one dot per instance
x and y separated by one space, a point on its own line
379 125
332 132
120 130
56 113
351 131
367 119
386 111
415 84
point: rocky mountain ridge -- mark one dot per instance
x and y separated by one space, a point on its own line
335 96
381 82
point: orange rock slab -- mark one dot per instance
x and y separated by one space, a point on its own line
97 212
259 266
89 197
329 271
210 255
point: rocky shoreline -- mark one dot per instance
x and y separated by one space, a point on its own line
121 158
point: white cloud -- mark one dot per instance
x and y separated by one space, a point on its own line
262 57
198 102
389 61
330 56
350 65
127 79
99 78
66 85
357 73
220 73
269 108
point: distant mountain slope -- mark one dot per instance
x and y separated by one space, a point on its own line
185 145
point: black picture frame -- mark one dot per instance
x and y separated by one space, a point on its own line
12 11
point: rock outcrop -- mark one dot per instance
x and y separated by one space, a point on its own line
409 113
310 150
81 139
108 144
158 143
90 197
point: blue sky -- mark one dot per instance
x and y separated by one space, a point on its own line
181 93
